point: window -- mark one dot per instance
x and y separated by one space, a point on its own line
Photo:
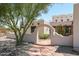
56 20
61 20
33 29
67 19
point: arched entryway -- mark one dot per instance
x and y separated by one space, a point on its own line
48 40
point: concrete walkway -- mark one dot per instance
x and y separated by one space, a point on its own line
38 50
43 51
44 42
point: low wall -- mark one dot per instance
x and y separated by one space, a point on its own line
30 38
58 39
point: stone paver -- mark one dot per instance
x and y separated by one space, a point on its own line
50 51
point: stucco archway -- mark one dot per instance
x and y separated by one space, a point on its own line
52 30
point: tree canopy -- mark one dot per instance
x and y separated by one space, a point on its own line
19 16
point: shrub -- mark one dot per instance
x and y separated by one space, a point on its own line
43 36
64 30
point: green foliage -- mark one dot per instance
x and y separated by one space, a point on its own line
43 36
19 16
60 29
67 31
64 30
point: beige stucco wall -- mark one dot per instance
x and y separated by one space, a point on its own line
58 39
46 29
33 37
62 17
43 30
29 37
69 23
29 30
76 27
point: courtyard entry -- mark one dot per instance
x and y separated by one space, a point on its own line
54 38
44 32
44 36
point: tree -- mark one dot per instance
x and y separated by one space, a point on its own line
19 17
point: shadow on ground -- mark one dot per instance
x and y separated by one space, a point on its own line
8 48
66 50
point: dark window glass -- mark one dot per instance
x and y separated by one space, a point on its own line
33 29
67 19
61 20
56 20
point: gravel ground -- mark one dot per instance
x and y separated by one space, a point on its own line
7 48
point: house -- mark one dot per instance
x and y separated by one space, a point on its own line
36 23
57 39
65 21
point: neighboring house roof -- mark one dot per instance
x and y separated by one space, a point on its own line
62 20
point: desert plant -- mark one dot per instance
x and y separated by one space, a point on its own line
60 29
64 30
19 17
43 36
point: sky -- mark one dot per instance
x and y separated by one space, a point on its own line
57 9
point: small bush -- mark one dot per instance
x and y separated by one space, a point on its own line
43 36
64 30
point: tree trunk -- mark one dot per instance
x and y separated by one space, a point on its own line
18 42
19 39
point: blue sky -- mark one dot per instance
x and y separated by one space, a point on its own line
57 9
